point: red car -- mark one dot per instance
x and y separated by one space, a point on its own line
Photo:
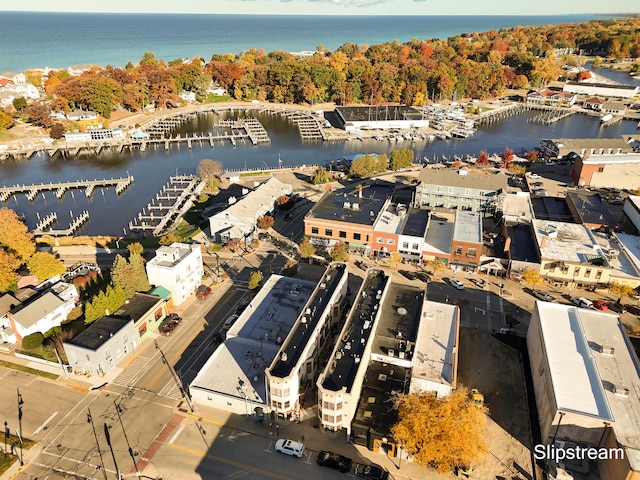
203 292
600 305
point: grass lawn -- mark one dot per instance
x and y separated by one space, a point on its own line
254 174
6 136
5 460
186 230
32 371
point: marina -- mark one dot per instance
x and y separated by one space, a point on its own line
74 225
60 188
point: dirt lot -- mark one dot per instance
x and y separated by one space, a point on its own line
496 370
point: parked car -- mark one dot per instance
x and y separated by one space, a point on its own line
408 274
457 284
203 292
633 310
229 322
335 461
544 296
533 175
372 472
169 324
423 277
290 447
582 302
600 305
537 184
540 192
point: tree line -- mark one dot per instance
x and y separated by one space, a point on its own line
469 65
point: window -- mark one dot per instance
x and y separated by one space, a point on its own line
309 367
391 241
107 353
342 234
472 252
564 269
125 338
415 246
405 245
327 406
587 273
356 236
126 349
452 190
276 392
287 404
439 188
458 251
598 274
327 418
111 362
576 271
339 406
314 230
467 191
601 169
328 232
286 392
379 240
158 314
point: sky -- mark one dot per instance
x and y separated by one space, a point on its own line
335 7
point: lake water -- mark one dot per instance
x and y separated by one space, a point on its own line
109 214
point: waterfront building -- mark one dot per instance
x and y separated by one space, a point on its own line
583 369
551 96
233 379
448 190
594 103
238 220
631 214
380 117
607 170
147 312
601 89
614 107
93 134
100 347
178 268
561 147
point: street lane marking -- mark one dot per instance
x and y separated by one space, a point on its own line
175 435
172 360
268 449
44 424
242 466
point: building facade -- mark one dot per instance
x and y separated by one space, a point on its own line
178 268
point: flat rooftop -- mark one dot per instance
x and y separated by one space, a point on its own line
290 352
352 205
379 113
567 145
611 158
552 208
170 255
584 379
522 246
592 209
345 359
568 242
254 340
487 182
517 207
437 343
415 223
468 227
439 235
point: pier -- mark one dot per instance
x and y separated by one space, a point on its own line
168 206
309 127
75 224
246 128
32 191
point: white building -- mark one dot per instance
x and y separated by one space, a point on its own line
601 89
239 219
585 373
39 315
178 268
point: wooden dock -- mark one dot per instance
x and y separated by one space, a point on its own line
60 188
246 128
168 206
309 126
75 224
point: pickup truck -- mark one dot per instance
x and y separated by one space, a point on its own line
335 461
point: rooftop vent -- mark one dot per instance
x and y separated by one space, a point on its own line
303 320
607 350
284 357
391 352
621 391
402 311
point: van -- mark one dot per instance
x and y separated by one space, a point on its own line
582 302
228 322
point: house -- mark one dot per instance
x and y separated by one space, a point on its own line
187 96
147 312
104 344
218 91
466 244
239 219
178 268
7 303
39 315
11 91
594 103
448 190
614 107
79 69
77 115
601 89
583 370
551 96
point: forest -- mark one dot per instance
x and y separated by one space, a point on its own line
469 65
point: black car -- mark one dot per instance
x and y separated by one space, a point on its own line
423 277
335 461
371 472
407 274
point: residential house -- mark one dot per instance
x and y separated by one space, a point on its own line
584 370
594 103
551 96
614 107
178 268
77 115
7 303
448 190
99 348
239 219
147 312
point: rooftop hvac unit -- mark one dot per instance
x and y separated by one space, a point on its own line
401 355
621 391
308 311
607 350
391 352
284 357
303 320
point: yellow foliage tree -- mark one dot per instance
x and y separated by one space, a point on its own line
14 236
620 290
532 277
441 432
44 265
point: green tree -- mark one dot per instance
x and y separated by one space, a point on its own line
140 279
45 265
19 103
306 248
130 275
169 238
441 431
33 341
401 159
255 279
320 175
135 248
339 252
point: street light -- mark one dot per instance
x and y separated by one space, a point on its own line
6 435
19 431
95 435
107 435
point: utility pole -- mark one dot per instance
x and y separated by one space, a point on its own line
176 378
107 435
95 435
131 454
19 431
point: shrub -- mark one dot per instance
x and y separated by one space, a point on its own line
33 341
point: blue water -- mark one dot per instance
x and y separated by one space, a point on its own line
57 40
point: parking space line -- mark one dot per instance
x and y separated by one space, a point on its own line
175 435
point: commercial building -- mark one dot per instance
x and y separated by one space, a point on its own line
466 244
551 96
584 373
233 379
178 268
448 190
612 170
601 89
380 117
296 364
560 147
102 345
147 312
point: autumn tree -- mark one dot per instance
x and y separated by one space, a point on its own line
39 113
444 432
6 120
169 238
532 276
395 259
306 248
45 265
104 303
285 202
320 176
255 279
507 156
401 159
531 155
483 158
265 222
437 265
210 171
57 131
135 248
339 252
16 246
620 290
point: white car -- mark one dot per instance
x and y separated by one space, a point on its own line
290 447
457 284
533 175
582 302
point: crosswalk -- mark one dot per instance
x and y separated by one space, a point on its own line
133 372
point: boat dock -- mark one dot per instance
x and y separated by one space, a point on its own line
309 127
246 128
612 121
75 224
32 191
168 206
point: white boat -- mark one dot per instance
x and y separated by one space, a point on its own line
606 118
